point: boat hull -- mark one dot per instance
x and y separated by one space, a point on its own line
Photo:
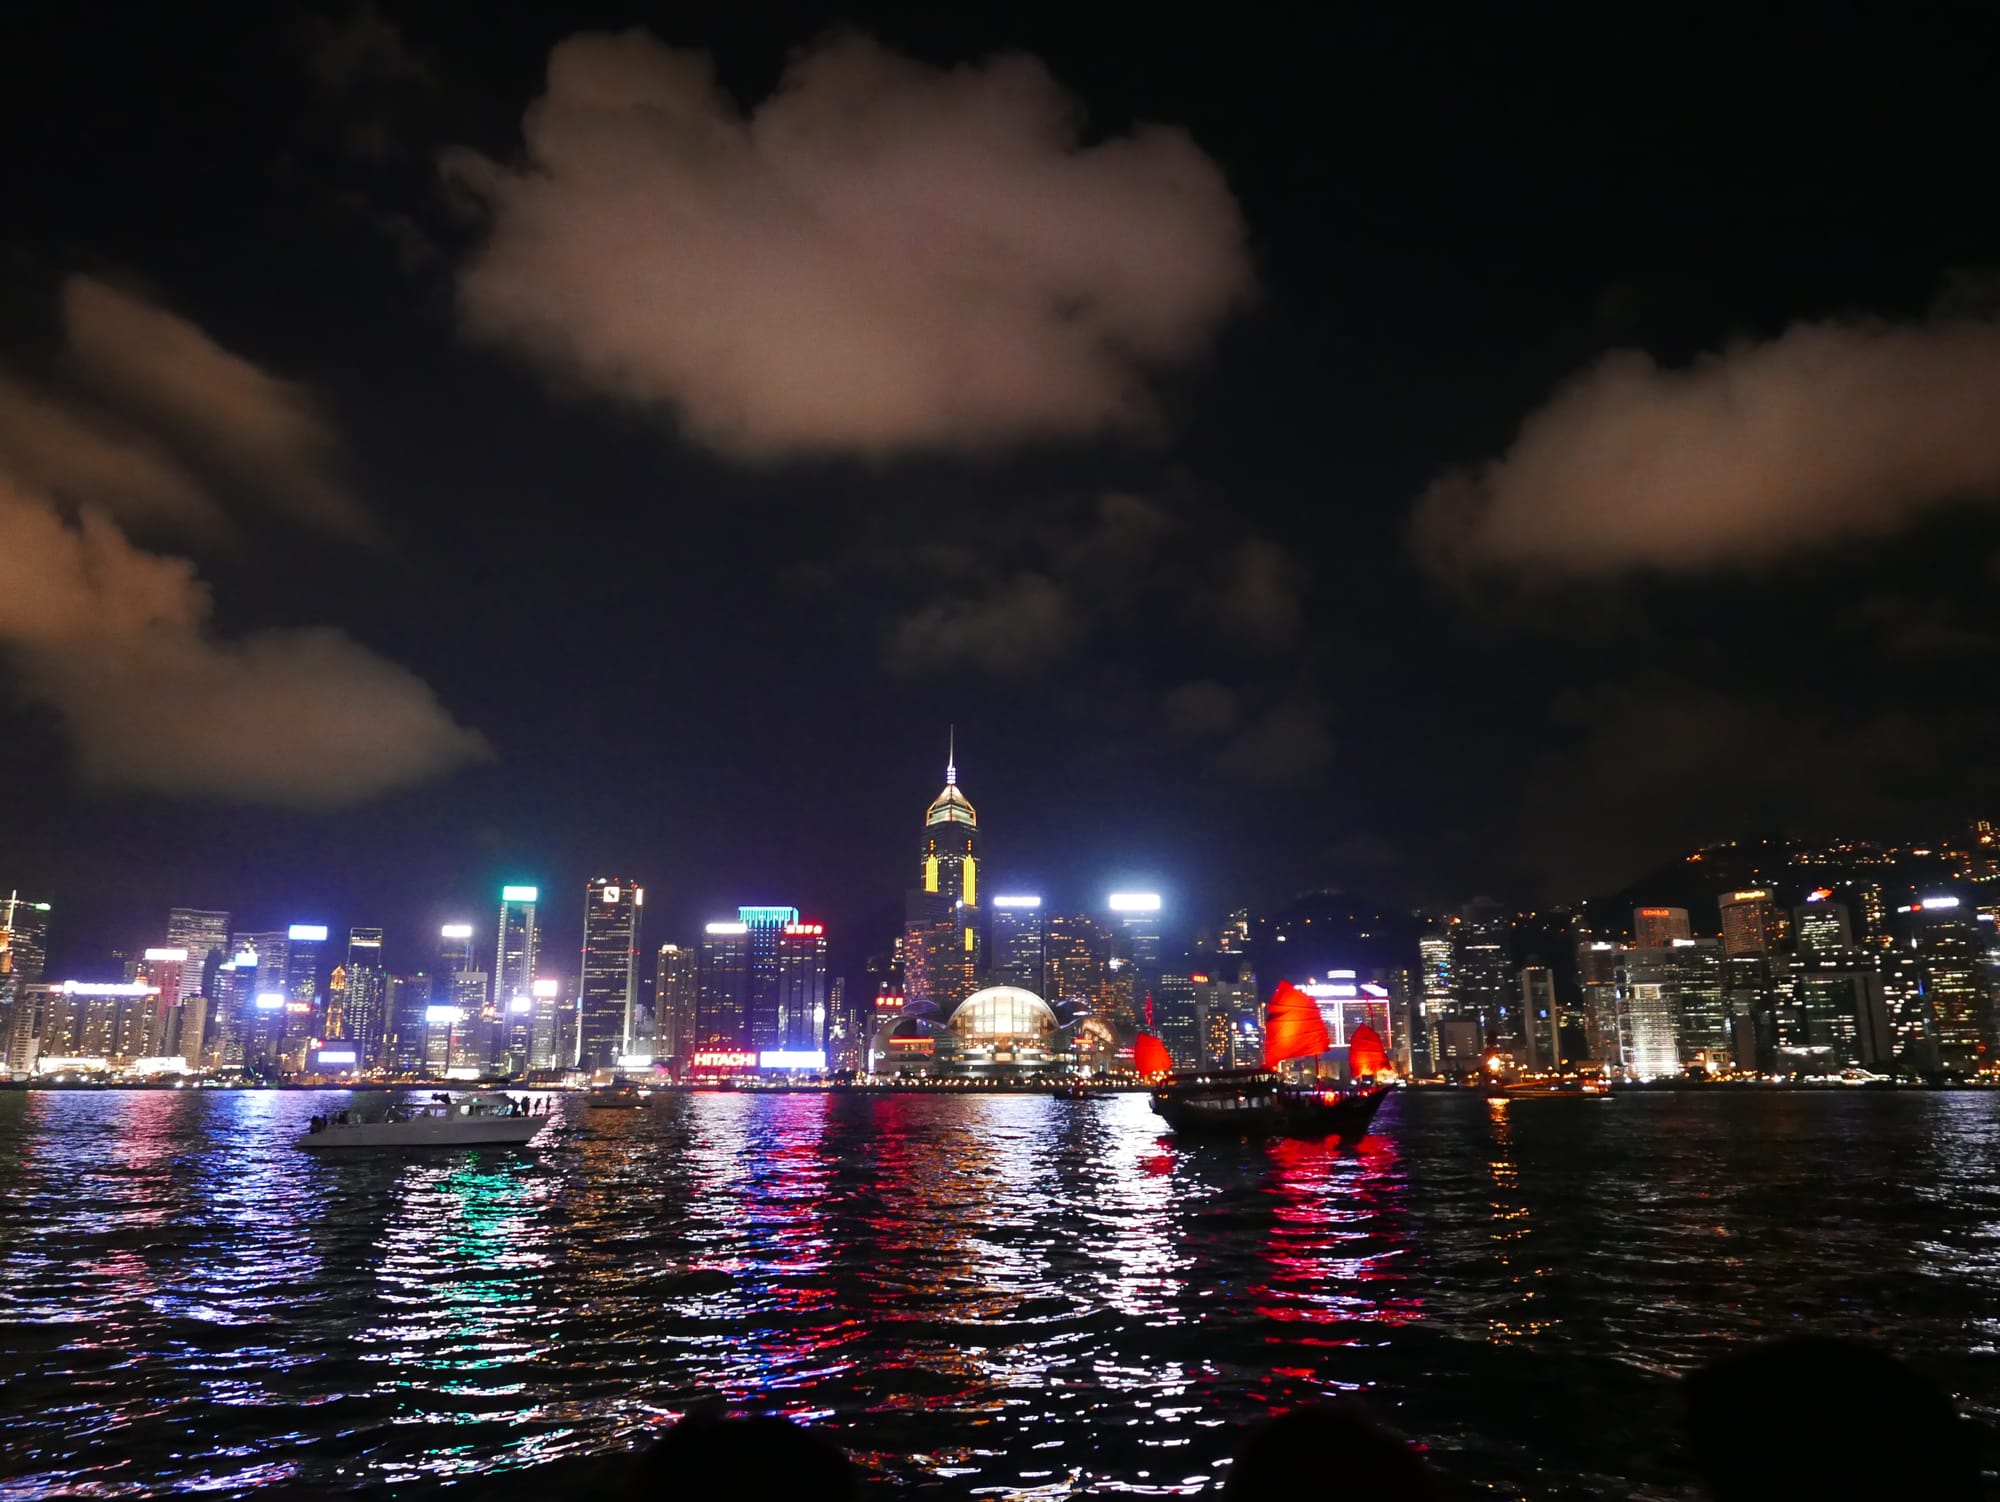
1252 1108
464 1131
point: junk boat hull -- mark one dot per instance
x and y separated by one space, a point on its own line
475 1121
1261 1105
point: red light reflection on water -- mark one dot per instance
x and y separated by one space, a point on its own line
1336 1239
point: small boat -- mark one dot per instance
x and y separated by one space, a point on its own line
441 1121
614 1097
1552 1090
1261 1102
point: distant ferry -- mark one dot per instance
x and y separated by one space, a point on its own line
1261 1102
619 1096
441 1121
1591 1089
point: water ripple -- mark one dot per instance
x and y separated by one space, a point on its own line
1008 1296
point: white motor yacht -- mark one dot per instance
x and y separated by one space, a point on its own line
441 1121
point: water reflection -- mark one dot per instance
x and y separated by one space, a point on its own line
1013 1295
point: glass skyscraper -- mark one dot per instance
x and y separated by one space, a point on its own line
515 951
1020 946
609 999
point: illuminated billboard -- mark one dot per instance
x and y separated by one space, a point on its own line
270 1001
169 956
792 1058
521 1004
728 928
1017 902
336 1058
455 931
520 894
724 1058
443 1012
307 933
102 988
1133 902
547 987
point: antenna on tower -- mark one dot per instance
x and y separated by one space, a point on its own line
951 759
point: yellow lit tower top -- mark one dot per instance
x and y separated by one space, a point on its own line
951 838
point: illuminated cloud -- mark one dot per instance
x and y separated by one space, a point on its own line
168 375
1830 432
119 642
1022 625
86 458
881 257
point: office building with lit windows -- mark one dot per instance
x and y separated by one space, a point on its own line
608 1001
762 984
676 997
1020 943
24 944
1938 941
505 1030
204 934
1135 921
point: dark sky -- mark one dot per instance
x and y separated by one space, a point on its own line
1425 451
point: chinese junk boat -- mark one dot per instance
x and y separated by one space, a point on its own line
1261 1102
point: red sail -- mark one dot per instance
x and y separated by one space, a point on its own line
1365 1053
1150 1057
1293 1027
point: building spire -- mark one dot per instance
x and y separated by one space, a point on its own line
951 759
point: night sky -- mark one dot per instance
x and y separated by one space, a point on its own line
1425 453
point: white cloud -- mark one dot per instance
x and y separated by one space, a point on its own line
881 257
166 374
1024 623
1830 432
119 641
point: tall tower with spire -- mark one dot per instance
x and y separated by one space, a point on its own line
942 940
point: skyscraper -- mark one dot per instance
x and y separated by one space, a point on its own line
305 996
1073 949
1538 1017
1599 971
24 943
1657 927
364 1018
609 1000
802 996
1434 962
676 992
723 986
1749 923
941 953
1483 977
517 949
1135 917
455 1011
762 985
1671 1009
204 934
1823 927
1941 934
1020 949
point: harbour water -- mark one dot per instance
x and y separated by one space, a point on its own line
1004 1295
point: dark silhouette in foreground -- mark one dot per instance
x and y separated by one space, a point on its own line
1812 1417
751 1457
1292 1458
